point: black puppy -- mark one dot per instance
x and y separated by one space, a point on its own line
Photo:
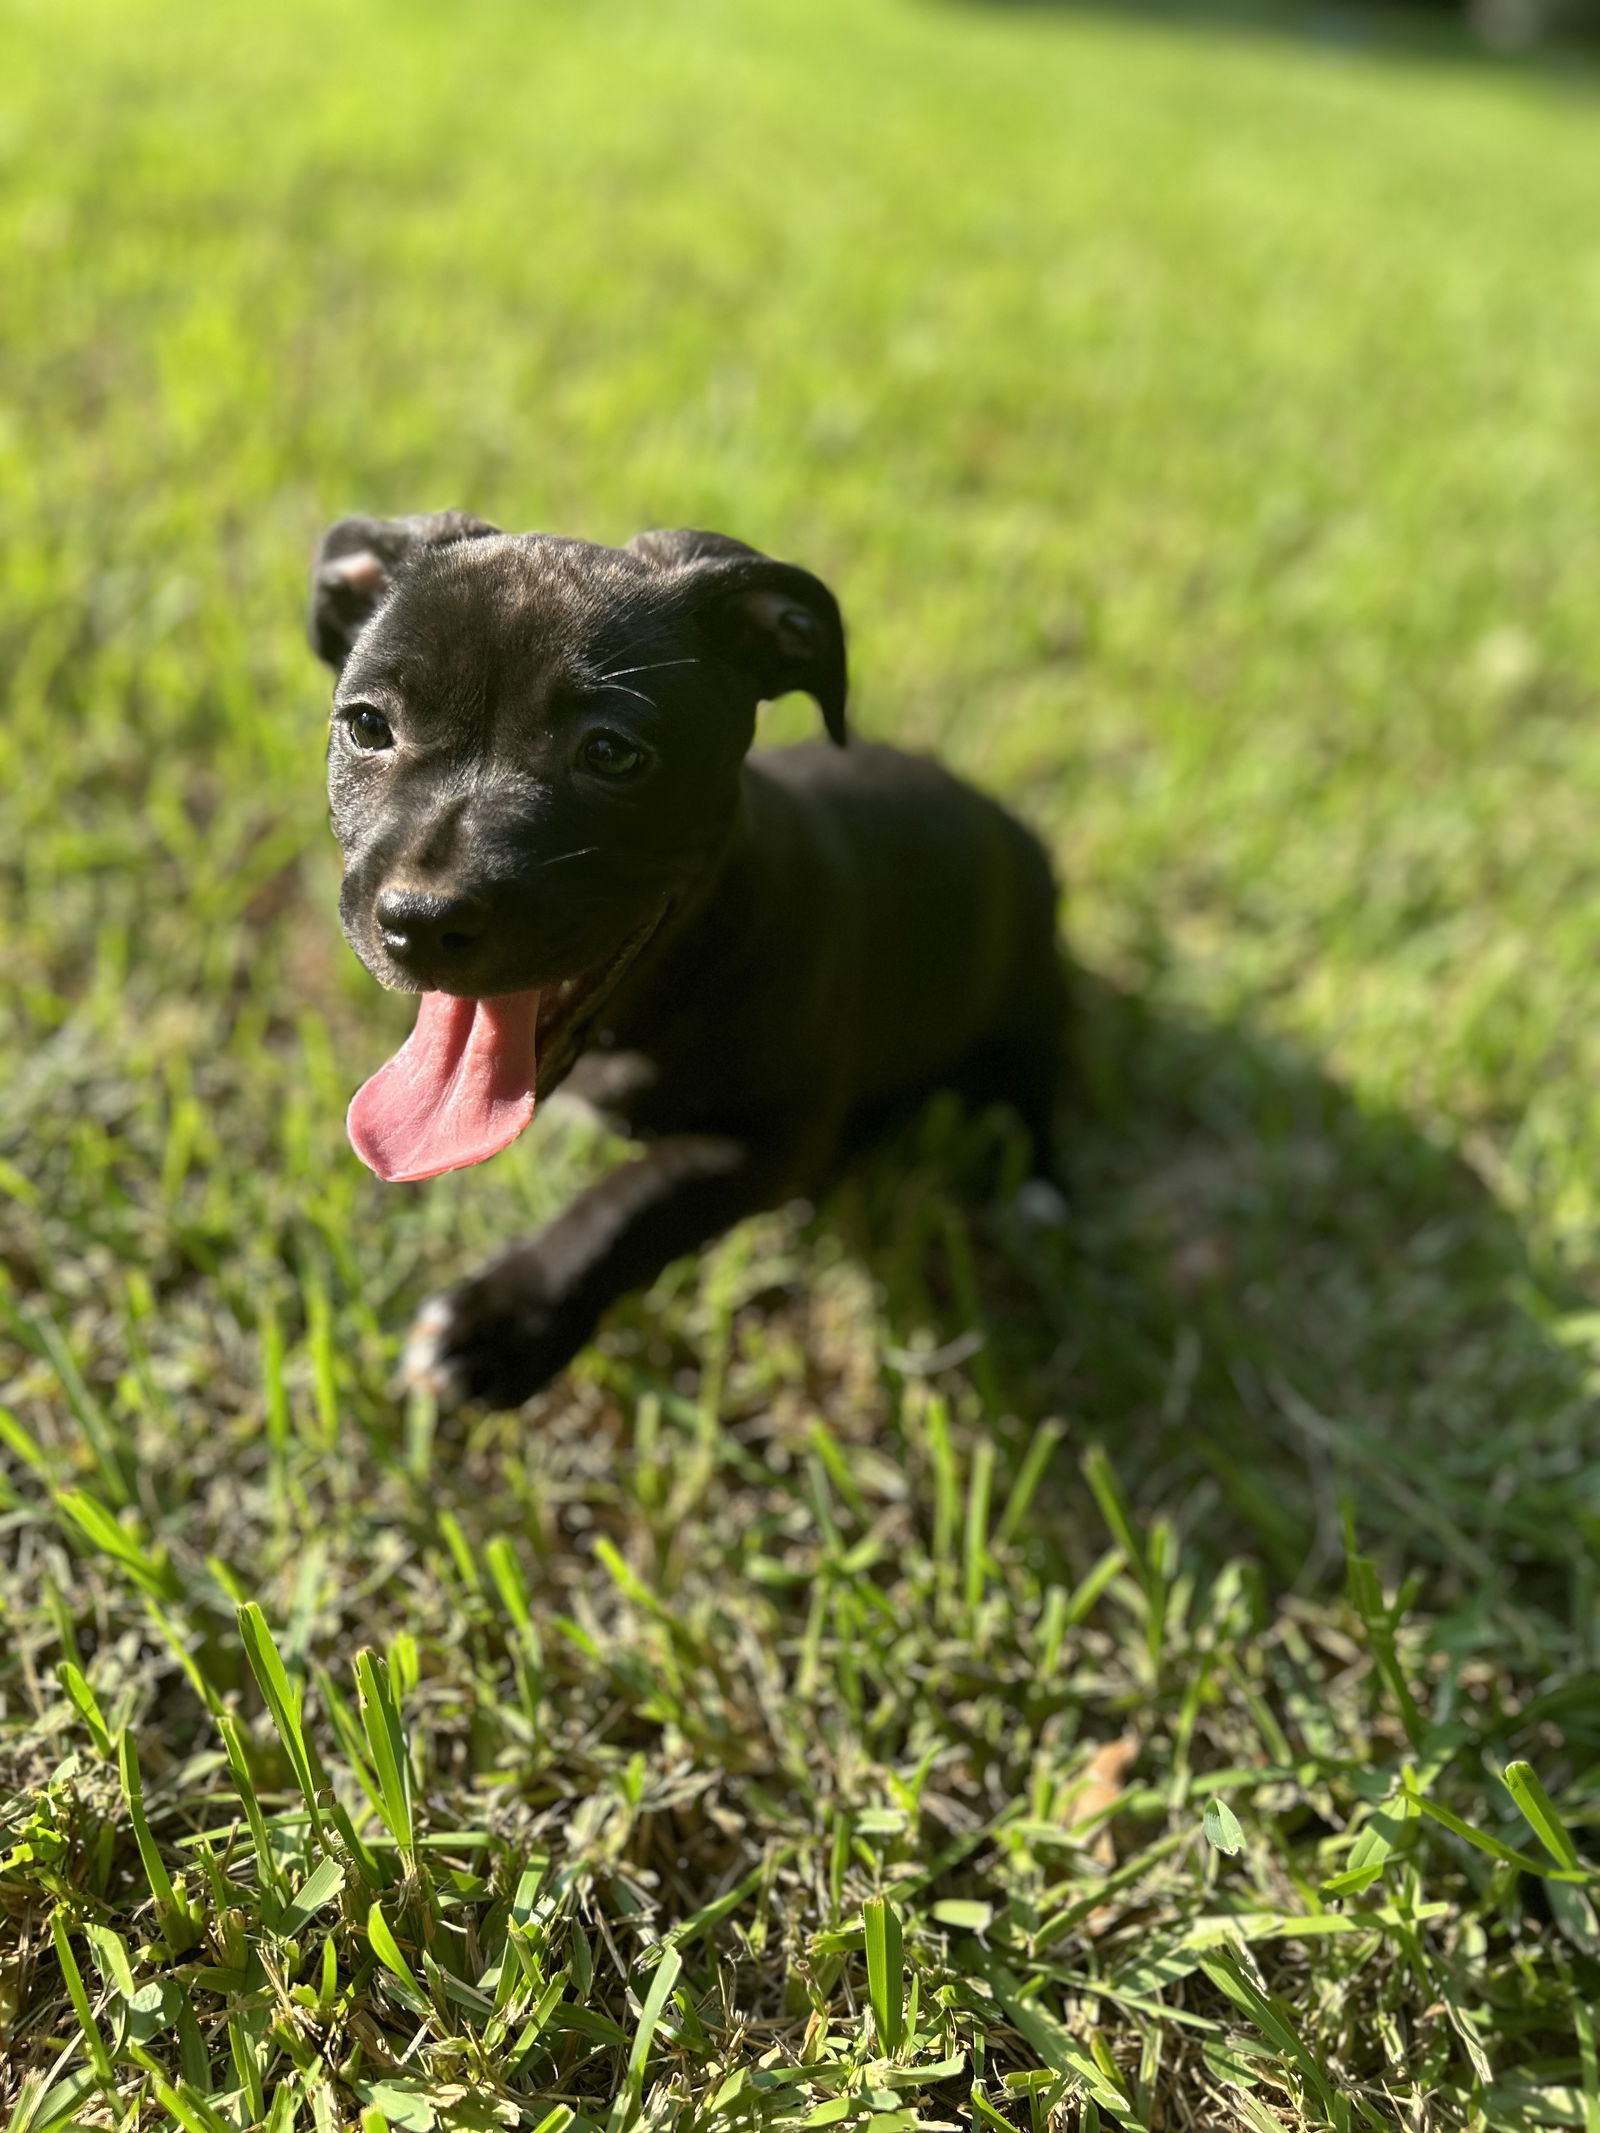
551 833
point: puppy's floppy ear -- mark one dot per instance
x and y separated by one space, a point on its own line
355 566
777 621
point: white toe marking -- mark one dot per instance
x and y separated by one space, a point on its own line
423 1366
1040 1205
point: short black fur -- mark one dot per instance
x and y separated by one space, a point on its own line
538 772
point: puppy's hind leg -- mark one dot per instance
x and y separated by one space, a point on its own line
1030 1073
1027 1075
507 1330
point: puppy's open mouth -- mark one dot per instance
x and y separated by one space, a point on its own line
464 1083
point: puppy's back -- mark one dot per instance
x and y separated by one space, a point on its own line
934 905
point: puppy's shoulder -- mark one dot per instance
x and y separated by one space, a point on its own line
864 767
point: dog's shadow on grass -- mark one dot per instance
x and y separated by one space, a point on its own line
1271 1302
1491 34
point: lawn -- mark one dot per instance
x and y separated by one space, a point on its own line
911 1671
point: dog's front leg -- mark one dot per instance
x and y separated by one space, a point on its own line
501 1335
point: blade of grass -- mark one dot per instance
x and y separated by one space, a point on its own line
391 1760
283 1703
1366 1597
387 1949
1538 1810
180 1924
151 1572
666 1975
886 1983
975 1538
84 1702
1023 1490
94 2042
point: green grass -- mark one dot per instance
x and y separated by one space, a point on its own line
793 1719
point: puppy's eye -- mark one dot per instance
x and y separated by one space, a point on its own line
369 729
608 755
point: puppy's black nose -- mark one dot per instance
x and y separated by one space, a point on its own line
427 932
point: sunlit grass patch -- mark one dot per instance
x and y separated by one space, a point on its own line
801 1790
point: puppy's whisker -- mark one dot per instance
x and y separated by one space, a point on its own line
586 851
621 691
652 669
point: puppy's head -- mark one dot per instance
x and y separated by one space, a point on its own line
536 742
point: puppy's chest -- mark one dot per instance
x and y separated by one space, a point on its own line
691 1050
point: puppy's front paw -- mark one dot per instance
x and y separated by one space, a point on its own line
495 1339
427 1361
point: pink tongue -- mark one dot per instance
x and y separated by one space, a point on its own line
459 1089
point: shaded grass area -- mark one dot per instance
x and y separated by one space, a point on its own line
793 1718
1435 33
